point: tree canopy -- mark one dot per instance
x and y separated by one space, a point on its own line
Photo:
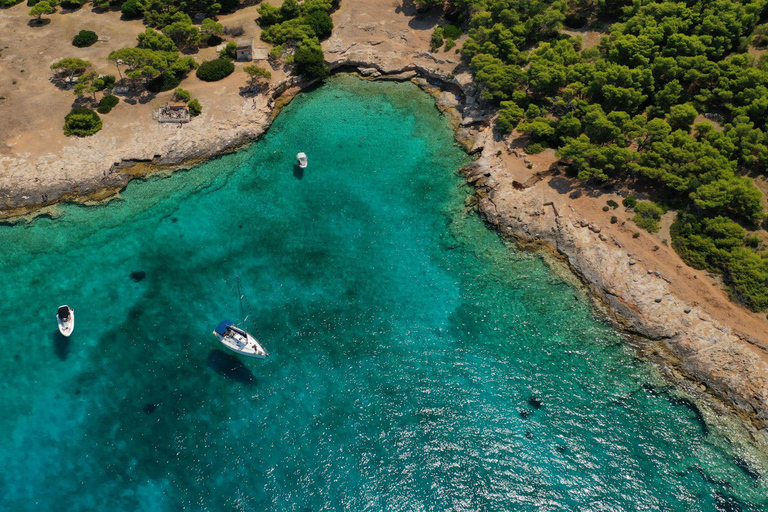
299 27
629 109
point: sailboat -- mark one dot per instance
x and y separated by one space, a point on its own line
301 159
65 316
237 339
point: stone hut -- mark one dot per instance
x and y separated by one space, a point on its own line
244 49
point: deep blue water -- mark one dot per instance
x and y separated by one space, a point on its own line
417 361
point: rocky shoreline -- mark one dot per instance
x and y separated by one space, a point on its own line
707 359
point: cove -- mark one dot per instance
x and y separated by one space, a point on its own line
418 362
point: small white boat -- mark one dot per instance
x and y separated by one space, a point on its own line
301 159
65 316
237 340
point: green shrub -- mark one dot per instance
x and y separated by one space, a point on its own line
752 241
648 215
276 53
320 22
452 32
747 278
229 51
107 103
310 61
510 115
132 9
635 235
613 204
437 39
268 14
215 70
614 219
72 4
110 100
449 44
681 117
9 3
195 108
85 38
629 202
534 148
108 81
606 208
760 39
81 122
181 95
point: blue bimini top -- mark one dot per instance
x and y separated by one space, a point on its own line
222 327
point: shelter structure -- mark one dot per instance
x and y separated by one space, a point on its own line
244 52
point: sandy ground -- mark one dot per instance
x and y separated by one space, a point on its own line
35 153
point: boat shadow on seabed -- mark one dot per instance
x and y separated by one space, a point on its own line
230 367
61 345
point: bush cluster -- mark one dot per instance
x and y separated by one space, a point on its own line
85 38
648 215
195 108
107 103
81 122
302 26
215 70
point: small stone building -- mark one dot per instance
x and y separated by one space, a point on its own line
244 51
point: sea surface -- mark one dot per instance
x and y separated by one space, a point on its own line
418 362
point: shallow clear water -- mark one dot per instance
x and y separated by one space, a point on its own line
417 361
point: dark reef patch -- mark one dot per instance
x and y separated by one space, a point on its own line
138 276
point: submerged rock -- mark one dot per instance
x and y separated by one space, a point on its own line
138 276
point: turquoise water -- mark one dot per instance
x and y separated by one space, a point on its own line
417 361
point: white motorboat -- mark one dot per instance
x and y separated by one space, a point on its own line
237 340
65 316
301 159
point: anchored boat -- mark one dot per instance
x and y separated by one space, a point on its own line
65 316
301 159
237 340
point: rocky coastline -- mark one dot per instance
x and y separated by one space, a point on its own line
725 368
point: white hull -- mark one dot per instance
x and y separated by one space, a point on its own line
242 343
301 159
66 327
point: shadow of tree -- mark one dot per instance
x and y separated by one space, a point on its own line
426 20
39 23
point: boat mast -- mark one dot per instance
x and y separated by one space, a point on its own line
241 295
